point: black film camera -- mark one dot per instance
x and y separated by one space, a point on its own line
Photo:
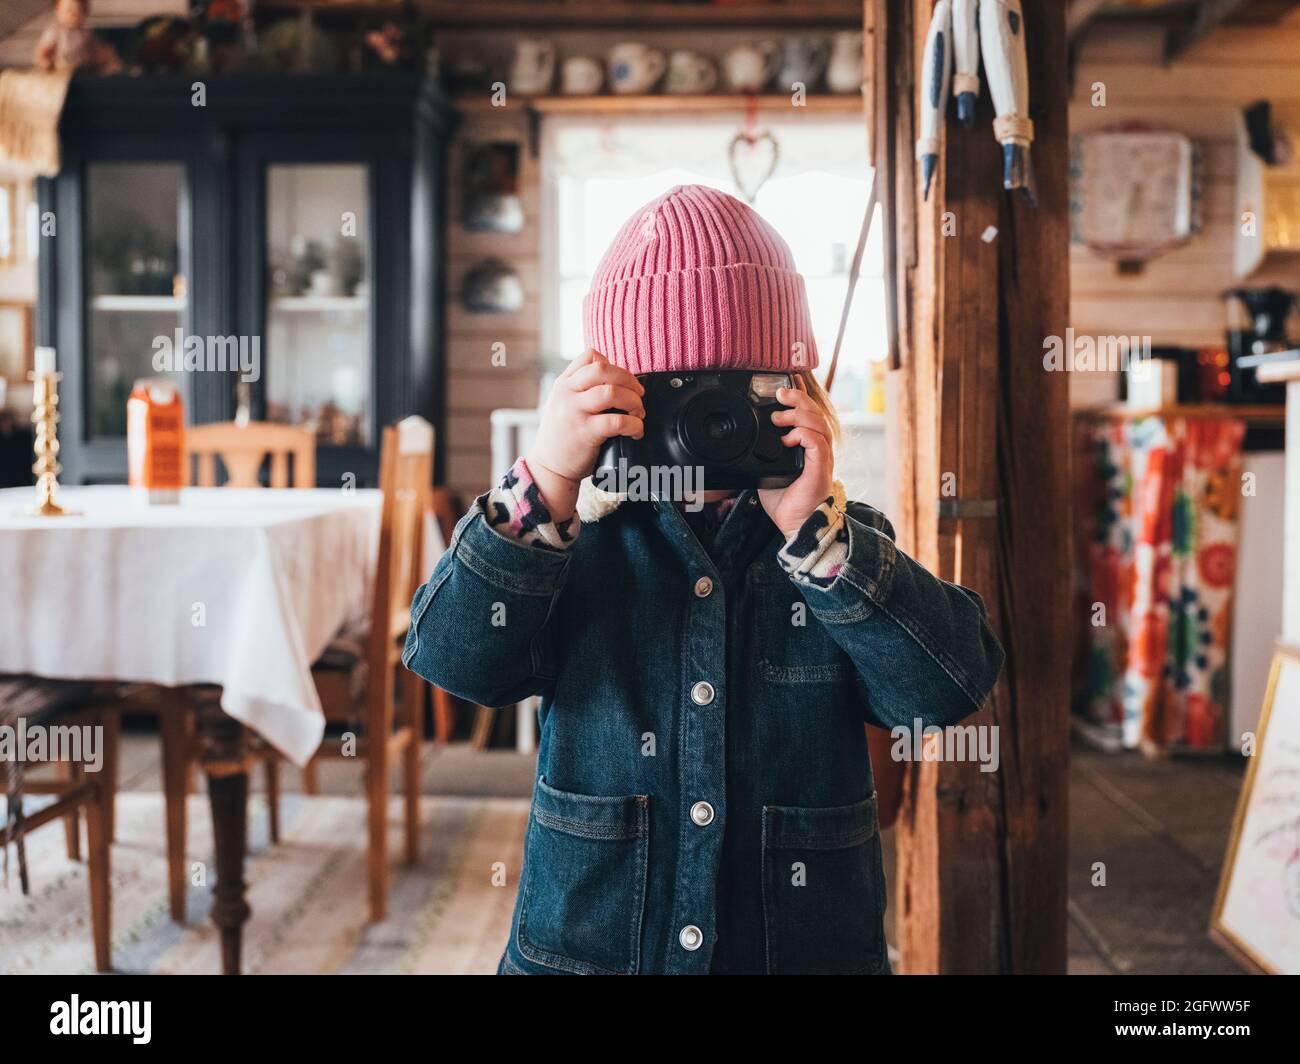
719 422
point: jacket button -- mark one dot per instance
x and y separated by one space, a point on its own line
691 937
702 813
703 587
702 693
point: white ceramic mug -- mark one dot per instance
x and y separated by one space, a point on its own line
635 67
749 67
580 75
690 73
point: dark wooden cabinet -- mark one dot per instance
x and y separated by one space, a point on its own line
294 219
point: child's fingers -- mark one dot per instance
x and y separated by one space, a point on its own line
611 397
804 417
816 449
602 372
795 397
584 359
605 426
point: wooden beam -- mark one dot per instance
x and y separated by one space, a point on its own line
1210 15
982 855
592 14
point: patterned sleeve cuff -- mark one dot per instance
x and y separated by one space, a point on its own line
516 510
816 553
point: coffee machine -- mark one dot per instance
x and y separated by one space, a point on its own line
1259 325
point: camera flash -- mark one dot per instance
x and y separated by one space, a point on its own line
765 385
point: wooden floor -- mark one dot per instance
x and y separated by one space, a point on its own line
1158 829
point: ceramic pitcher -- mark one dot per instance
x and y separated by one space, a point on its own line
845 71
802 61
533 69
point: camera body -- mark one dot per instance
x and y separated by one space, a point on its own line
718 422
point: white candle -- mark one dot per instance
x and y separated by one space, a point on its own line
44 361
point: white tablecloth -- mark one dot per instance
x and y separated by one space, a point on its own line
242 588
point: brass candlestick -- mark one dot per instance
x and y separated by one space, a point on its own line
45 417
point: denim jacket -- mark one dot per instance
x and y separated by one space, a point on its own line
704 799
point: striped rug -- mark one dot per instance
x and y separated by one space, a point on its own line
449 913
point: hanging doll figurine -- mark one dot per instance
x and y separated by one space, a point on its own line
67 43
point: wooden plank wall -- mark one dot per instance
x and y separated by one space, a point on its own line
475 386
1175 299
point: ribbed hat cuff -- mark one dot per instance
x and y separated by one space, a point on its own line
743 316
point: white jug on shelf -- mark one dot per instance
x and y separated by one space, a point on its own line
844 73
533 69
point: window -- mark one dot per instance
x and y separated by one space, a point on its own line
597 173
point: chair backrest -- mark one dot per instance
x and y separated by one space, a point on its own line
242 450
405 478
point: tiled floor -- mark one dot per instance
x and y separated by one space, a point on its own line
1158 828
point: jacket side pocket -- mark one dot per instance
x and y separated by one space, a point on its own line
585 881
823 890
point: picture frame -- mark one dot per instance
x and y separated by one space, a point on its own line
1256 915
15 340
490 200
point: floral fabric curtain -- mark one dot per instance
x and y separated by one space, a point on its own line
1157 503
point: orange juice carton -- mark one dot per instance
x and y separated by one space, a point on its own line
155 440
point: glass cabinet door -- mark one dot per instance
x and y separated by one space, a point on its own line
318 362
136 287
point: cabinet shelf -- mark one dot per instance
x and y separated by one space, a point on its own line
320 304
664 103
138 303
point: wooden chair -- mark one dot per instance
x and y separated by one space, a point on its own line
358 676
243 449
51 703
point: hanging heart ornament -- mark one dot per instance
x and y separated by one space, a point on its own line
750 169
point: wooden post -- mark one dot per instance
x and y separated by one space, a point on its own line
982 855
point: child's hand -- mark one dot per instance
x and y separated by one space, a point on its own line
574 426
790 507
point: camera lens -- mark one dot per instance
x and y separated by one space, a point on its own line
719 426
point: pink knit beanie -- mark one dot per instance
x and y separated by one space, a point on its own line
697 280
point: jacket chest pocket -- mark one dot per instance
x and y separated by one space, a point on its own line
584 882
823 890
793 647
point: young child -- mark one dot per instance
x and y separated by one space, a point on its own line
704 799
